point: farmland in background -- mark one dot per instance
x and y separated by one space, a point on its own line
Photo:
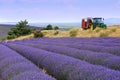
111 31
4 29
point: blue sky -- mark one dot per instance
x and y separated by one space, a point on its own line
57 10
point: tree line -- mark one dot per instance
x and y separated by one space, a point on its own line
22 29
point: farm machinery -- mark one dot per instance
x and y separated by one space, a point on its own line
92 23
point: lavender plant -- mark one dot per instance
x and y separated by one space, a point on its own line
64 67
112 50
12 65
99 58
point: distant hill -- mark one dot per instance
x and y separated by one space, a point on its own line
12 25
7 25
4 29
64 25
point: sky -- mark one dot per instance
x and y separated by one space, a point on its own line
57 10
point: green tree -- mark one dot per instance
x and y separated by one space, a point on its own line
21 29
49 27
56 28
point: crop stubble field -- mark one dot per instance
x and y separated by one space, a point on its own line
61 59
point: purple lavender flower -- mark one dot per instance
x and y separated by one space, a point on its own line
92 41
64 67
77 44
10 60
89 56
12 64
32 75
16 69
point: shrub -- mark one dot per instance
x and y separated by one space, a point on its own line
113 30
11 36
56 28
97 30
73 33
104 34
56 33
38 34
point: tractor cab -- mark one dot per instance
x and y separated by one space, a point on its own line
97 20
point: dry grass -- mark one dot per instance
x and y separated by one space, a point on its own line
23 37
50 33
112 31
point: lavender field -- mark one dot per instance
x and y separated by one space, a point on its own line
60 59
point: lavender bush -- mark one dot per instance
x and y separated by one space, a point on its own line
111 45
112 50
94 41
32 75
12 65
64 67
104 59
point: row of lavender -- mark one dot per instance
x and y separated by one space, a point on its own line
113 49
65 67
78 44
15 67
92 41
98 58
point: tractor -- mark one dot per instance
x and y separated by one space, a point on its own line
92 23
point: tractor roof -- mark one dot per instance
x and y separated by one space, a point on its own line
97 18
